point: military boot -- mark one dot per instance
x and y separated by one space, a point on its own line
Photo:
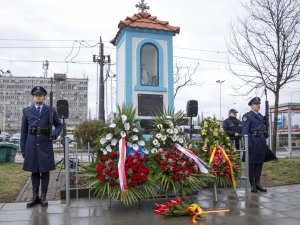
258 185
253 185
44 201
35 197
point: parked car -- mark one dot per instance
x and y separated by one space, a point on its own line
15 138
4 136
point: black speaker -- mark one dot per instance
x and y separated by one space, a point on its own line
192 108
62 107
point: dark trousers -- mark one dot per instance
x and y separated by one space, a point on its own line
255 169
43 178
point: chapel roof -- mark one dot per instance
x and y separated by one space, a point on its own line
145 20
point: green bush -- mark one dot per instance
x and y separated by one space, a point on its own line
88 131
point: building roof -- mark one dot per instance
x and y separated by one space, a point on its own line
144 20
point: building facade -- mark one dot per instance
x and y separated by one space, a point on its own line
15 95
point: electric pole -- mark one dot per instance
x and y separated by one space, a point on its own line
101 60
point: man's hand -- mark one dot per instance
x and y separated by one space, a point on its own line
52 137
236 134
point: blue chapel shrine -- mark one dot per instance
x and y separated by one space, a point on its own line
144 52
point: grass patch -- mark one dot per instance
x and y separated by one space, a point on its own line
281 172
12 180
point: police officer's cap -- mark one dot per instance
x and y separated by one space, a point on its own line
255 100
233 111
38 90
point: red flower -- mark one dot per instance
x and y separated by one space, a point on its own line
100 167
103 158
101 177
112 155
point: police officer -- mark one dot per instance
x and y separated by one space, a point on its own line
36 144
233 127
254 126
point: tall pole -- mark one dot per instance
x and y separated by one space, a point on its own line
101 83
220 82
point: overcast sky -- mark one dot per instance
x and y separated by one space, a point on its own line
37 30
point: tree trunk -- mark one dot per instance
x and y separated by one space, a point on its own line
274 130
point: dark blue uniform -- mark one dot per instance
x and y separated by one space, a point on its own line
231 126
38 148
253 125
36 144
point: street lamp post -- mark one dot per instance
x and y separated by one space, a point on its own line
220 82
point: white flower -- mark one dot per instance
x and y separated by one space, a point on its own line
174 138
159 126
153 150
155 142
180 140
103 141
129 144
126 126
109 136
135 130
113 125
164 137
114 142
123 134
124 118
141 143
175 131
135 138
158 136
104 152
108 148
135 147
169 131
190 146
146 151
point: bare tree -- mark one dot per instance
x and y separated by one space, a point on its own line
268 40
184 77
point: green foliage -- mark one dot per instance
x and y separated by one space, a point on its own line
88 131
212 134
172 170
104 173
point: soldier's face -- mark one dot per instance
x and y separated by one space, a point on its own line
255 107
38 99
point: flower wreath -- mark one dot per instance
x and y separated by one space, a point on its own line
175 167
216 149
121 170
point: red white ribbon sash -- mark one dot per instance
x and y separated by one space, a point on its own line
192 155
121 165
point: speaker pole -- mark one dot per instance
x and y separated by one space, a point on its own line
191 127
51 112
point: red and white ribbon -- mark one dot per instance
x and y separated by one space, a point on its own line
121 165
192 155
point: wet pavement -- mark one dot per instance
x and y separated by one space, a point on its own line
280 205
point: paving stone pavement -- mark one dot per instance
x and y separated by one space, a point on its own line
280 205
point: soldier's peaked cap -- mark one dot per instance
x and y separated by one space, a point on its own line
38 90
255 100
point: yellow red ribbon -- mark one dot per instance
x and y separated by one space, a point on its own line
197 212
232 178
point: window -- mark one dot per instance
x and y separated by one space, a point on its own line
149 65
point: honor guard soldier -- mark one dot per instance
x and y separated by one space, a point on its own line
36 144
233 128
253 125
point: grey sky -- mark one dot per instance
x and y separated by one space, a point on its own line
204 25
